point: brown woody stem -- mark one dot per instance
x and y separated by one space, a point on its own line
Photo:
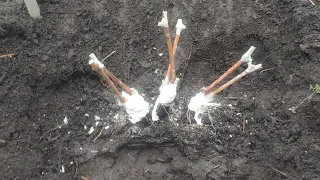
102 73
175 46
118 81
169 43
224 75
232 81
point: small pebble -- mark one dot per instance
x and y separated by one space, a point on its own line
65 120
97 118
62 169
2 142
91 130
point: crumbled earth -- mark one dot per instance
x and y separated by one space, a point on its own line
252 135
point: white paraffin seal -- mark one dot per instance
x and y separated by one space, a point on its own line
200 103
168 92
135 106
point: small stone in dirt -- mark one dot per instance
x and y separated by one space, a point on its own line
97 118
65 120
3 143
91 130
62 170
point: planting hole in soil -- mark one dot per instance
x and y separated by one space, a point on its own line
59 119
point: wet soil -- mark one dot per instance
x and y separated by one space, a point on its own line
251 136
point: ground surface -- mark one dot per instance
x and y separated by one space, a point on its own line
251 136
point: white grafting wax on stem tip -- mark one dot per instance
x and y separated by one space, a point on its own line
33 8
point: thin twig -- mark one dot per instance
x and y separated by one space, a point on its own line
141 174
58 127
188 116
307 98
101 80
150 121
251 80
190 53
7 55
77 166
98 134
215 167
243 124
55 138
108 56
278 171
291 76
231 98
211 120
265 59
312 2
267 70
84 178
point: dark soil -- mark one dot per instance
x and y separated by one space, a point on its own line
251 136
